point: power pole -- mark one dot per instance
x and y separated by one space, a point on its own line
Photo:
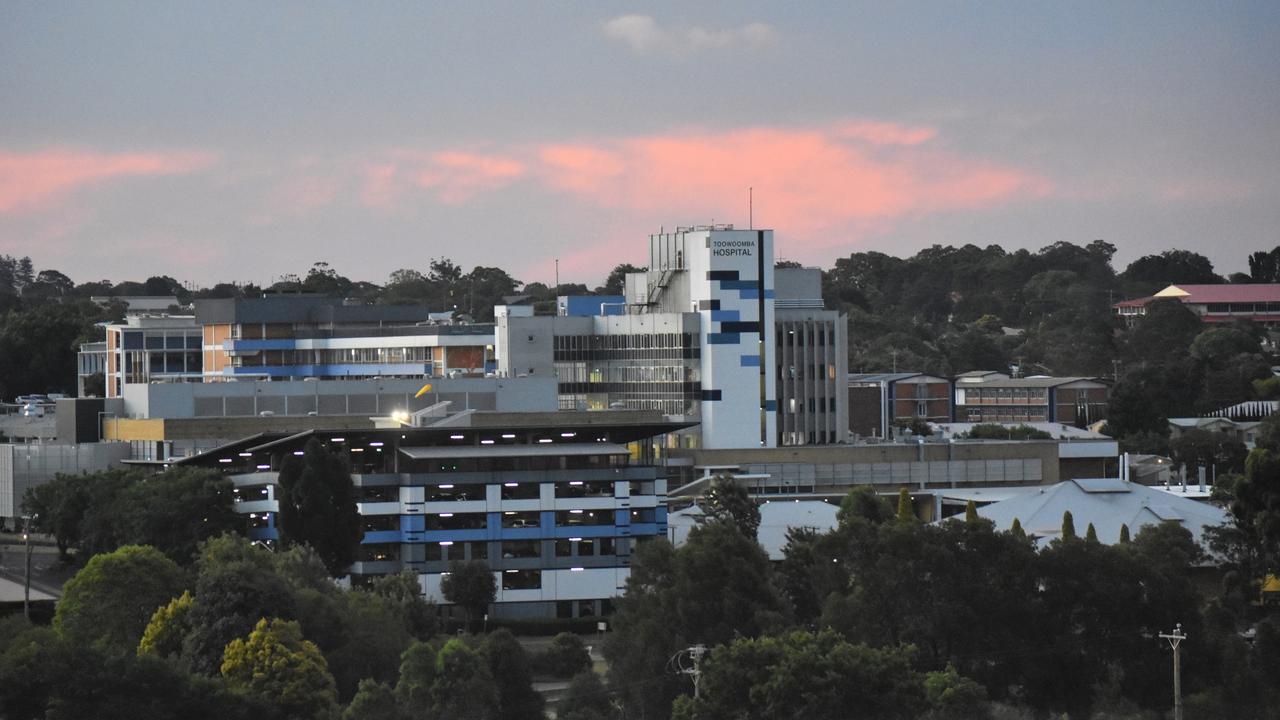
696 652
1175 639
694 670
26 585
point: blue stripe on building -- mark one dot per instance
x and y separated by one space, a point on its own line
725 315
723 338
749 360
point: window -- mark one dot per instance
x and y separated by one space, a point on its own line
569 518
521 579
521 548
513 519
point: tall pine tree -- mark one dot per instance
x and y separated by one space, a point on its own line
318 506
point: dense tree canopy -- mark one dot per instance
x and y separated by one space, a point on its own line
318 506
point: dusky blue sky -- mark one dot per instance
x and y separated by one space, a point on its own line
240 141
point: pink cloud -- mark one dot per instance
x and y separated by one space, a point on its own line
816 185
33 181
457 176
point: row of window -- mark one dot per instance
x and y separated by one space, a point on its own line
508 549
626 342
509 519
973 395
582 372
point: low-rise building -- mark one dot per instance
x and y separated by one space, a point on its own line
881 402
998 398
1253 302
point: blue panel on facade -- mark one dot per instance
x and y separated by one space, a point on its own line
454 535
738 284
750 360
589 305
267 533
642 529
131 340
413 523
768 294
382 536
622 518
749 294
723 338
724 315
660 514
771 405
710 395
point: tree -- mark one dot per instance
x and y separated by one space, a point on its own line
237 585
471 585
906 511
862 502
615 283
1164 333
1016 530
373 701
362 634
110 601
167 627
586 698
807 675
403 591
57 508
1090 534
1152 272
951 696
1264 267
567 656
318 508
1196 448
1124 534
276 664
714 588
727 501
970 512
463 687
178 509
1068 526
510 668
417 675
324 280
485 287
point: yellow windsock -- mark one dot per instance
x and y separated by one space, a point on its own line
425 389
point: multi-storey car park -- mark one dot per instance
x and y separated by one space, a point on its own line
554 507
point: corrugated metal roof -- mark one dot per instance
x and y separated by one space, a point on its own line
1040 513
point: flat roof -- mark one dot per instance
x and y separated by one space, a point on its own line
539 450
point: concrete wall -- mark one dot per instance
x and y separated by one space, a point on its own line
31 465
835 469
337 397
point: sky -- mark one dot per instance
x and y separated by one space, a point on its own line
240 141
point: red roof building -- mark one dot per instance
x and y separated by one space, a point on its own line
1256 302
